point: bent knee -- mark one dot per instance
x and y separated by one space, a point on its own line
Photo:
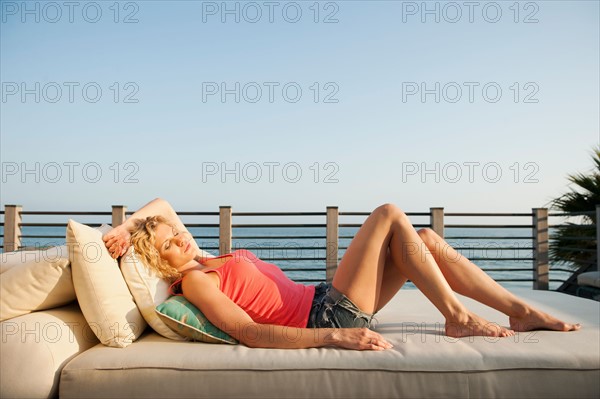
427 235
390 212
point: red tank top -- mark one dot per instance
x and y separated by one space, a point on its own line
263 290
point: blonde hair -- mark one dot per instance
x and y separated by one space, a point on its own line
143 239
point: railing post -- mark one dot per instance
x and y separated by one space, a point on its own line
597 237
540 245
331 248
12 227
225 230
118 215
436 219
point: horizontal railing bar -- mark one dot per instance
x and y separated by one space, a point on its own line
507 270
479 258
514 279
283 248
265 259
487 226
276 237
54 224
359 225
487 237
40 236
207 237
350 213
275 226
474 258
279 213
184 213
188 225
491 248
479 249
487 214
303 269
65 213
368 213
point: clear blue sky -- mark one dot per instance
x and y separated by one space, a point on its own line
370 134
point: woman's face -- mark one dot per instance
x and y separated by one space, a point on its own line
173 246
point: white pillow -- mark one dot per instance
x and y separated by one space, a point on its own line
148 290
34 280
101 291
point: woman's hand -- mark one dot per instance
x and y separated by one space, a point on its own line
117 241
358 339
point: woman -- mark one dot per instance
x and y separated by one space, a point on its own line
385 253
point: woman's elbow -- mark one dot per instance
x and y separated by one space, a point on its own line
253 335
163 203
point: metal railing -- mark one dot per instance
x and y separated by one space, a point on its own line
327 239
526 232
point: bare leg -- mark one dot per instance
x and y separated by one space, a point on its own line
360 274
468 279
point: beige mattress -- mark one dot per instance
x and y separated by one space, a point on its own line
423 362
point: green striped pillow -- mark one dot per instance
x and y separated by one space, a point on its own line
187 320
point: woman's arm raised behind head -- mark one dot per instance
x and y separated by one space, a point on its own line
157 206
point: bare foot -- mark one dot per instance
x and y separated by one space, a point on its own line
470 324
537 320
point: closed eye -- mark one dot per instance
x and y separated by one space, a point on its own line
168 242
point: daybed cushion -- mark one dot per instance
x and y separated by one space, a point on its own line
423 362
35 347
34 280
148 290
591 279
101 291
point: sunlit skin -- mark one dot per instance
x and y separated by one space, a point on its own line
175 247
385 253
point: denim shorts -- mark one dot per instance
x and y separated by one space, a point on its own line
332 309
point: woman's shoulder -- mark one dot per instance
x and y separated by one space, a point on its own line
195 276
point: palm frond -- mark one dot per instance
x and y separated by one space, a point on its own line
573 245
